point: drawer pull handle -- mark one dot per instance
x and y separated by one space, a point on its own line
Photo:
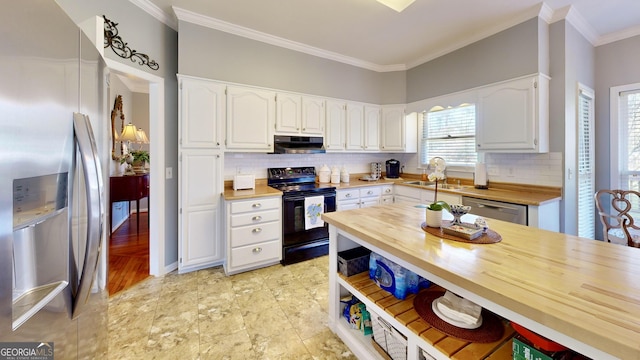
256 205
369 192
256 230
348 195
257 250
256 218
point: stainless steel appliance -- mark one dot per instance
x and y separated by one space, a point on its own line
300 242
393 169
52 274
514 213
298 144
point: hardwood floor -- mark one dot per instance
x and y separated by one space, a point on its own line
129 254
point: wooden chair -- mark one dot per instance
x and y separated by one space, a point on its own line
618 225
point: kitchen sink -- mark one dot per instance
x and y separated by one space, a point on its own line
421 183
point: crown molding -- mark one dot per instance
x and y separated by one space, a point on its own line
573 17
216 24
151 9
619 35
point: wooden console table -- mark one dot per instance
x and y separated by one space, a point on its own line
128 188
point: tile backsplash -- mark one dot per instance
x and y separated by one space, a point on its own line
535 169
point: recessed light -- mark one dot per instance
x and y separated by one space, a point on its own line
397 5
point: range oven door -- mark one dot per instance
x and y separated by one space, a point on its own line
293 212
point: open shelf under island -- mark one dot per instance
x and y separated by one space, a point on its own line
581 293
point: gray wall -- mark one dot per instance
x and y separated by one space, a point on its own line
572 62
508 54
149 36
616 64
213 54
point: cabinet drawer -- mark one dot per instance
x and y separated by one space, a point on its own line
255 254
256 217
387 190
408 191
371 192
347 194
255 205
245 235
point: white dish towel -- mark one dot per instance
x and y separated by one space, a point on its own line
459 308
313 208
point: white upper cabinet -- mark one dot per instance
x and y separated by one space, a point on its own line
313 115
363 127
355 127
288 113
299 115
513 116
334 139
399 132
250 119
202 111
372 128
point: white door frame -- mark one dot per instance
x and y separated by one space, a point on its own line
156 176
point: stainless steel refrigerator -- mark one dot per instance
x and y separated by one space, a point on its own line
52 271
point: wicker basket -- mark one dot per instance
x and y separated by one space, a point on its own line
389 339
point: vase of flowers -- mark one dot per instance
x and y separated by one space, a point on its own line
434 210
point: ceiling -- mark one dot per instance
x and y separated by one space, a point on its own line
368 34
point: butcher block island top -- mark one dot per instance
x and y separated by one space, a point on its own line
582 293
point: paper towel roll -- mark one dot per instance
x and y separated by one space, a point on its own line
480 176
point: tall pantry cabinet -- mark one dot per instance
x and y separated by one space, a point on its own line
201 109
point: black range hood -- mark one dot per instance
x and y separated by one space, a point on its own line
298 144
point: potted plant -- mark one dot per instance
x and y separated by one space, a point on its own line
139 160
434 210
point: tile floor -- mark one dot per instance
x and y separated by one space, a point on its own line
271 313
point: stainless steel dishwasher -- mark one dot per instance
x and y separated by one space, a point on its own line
514 213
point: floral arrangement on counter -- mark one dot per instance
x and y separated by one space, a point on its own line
437 205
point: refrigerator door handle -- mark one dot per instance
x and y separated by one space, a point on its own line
95 212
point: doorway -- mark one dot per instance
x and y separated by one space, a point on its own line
154 86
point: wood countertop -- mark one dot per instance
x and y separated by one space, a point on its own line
261 190
570 289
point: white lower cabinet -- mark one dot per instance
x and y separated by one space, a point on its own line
199 222
387 195
254 233
356 198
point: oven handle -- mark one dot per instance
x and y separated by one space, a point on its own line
302 196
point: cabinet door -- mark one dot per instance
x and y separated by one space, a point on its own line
355 126
348 204
200 243
250 119
334 136
313 115
371 128
202 110
507 116
288 113
393 129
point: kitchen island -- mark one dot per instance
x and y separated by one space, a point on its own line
582 293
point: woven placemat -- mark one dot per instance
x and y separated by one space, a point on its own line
490 237
491 329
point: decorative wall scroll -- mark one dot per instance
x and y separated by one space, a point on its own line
121 48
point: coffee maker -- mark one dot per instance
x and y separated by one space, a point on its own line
393 169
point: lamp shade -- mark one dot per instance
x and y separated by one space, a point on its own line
142 137
129 133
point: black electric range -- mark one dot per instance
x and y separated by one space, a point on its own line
302 240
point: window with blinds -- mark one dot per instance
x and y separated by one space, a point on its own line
586 176
629 153
449 133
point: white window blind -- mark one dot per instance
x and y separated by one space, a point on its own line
629 126
586 176
450 134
